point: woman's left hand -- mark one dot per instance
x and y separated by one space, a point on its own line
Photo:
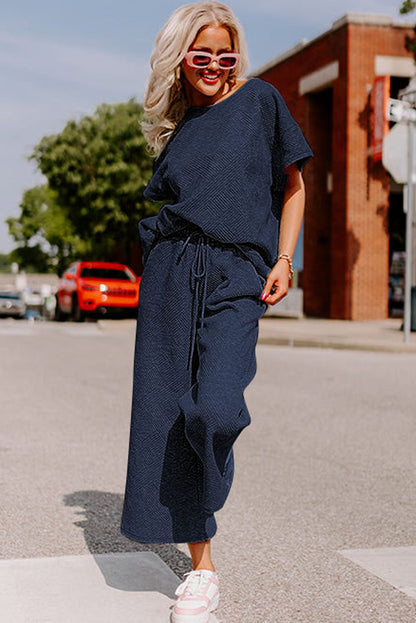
278 277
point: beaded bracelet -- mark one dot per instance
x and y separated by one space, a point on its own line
285 256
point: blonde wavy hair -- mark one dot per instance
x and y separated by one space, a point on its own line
165 99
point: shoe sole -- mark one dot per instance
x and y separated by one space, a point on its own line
199 618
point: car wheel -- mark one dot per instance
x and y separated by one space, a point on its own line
59 315
77 313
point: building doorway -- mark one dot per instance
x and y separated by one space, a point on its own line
397 248
397 228
317 238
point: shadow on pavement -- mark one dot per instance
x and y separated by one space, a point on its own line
100 522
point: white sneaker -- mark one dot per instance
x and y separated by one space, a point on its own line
198 595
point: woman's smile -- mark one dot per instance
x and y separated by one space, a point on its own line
210 77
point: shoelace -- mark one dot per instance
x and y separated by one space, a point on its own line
195 581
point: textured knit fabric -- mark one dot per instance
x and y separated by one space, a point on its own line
223 168
206 255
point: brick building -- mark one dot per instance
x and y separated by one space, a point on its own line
354 218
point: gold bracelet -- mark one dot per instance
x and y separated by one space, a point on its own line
285 256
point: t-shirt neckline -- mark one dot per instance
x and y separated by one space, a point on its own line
221 101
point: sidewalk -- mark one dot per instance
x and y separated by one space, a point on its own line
370 335
373 335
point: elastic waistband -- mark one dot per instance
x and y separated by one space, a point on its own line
248 251
190 231
194 233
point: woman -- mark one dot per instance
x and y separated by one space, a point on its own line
229 161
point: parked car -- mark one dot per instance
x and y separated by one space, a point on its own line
12 304
34 302
97 288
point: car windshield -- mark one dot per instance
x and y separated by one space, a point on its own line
9 295
107 273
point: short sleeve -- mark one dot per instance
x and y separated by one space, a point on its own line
289 146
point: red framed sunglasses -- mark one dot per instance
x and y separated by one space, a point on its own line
200 59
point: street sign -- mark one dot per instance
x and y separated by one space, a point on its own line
394 156
399 110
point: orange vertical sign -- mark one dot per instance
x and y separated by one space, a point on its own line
381 94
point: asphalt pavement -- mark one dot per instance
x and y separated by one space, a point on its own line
319 525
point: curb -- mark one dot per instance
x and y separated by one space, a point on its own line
338 345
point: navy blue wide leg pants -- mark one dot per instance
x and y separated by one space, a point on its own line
196 334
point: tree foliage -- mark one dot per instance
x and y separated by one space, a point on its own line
408 6
5 263
46 237
97 169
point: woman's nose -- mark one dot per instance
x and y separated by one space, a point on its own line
214 64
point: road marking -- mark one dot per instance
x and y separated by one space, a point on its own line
82 330
395 565
133 587
16 332
24 328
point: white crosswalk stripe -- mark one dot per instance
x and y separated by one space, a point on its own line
133 587
395 565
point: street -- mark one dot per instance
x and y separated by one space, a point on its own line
325 470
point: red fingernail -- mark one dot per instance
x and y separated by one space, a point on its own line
263 296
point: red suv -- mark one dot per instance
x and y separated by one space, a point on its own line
104 288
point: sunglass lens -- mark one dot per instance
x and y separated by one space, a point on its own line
201 60
228 61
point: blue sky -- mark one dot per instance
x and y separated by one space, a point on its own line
60 60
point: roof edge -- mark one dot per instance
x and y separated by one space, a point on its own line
368 19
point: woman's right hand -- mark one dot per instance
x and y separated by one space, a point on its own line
278 280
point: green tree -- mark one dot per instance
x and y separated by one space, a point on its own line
97 168
5 263
45 236
407 7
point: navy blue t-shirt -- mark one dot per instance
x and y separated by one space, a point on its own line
223 168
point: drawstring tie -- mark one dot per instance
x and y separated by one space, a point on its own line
198 272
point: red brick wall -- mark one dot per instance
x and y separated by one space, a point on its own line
354 286
367 183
